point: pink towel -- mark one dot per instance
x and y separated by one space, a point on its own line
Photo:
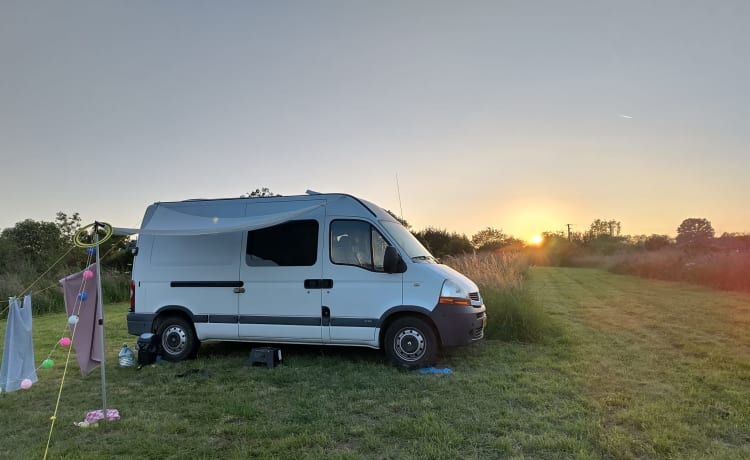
87 340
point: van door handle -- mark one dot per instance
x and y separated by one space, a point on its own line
239 290
318 284
326 316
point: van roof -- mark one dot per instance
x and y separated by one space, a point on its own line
193 215
374 209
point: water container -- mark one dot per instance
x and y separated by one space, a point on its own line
127 357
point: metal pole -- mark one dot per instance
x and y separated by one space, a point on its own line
100 319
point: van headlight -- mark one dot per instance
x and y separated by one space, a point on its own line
454 294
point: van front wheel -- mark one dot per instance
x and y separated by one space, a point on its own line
411 342
177 338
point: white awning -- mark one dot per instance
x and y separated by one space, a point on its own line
169 222
122 231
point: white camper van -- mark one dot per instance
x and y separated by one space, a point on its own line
327 269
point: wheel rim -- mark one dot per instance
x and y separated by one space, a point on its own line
410 344
174 340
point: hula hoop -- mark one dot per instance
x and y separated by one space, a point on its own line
77 237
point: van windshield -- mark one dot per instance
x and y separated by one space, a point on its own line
414 249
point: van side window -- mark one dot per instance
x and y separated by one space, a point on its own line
355 242
289 244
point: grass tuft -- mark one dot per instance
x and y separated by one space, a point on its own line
514 315
512 311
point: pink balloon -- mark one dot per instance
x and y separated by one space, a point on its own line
88 274
25 384
65 342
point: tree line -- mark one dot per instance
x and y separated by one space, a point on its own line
603 237
36 245
34 255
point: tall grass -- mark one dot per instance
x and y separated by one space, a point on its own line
47 294
489 269
115 286
44 286
719 269
512 311
515 315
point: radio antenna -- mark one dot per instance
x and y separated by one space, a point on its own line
398 190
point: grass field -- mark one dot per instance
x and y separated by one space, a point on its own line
629 368
665 367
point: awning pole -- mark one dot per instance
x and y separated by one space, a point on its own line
100 319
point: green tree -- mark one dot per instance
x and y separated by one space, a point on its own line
119 253
656 242
116 252
605 227
491 239
442 243
695 232
39 243
604 237
68 225
9 254
734 241
259 193
400 220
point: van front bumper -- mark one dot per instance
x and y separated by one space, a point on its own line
138 323
459 325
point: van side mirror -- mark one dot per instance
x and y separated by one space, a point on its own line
392 261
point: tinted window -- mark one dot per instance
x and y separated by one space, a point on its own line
289 244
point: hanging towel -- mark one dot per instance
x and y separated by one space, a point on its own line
86 333
18 352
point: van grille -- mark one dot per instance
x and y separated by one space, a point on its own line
474 296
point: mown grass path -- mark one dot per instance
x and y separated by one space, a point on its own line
665 366
629 368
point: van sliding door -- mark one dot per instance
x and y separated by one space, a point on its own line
281 272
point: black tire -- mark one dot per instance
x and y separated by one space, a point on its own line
177 339
411 342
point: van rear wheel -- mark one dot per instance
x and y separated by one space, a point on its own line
411 342
177 339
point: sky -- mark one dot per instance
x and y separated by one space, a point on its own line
520 115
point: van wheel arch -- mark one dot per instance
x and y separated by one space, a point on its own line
177 337
385 323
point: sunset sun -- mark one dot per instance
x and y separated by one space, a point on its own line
536 240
